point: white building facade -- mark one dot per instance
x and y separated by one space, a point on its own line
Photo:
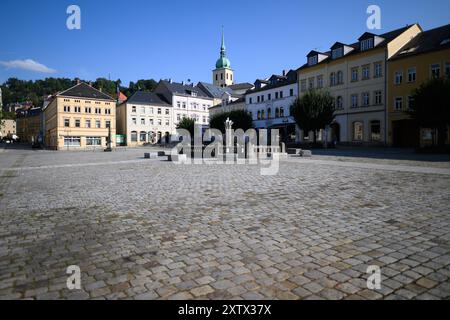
269 105
145 118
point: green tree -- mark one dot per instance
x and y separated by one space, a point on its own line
431 107
314 111
187 124
241 120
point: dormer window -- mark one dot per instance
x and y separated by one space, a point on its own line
312 60
337 53
193 94
367 44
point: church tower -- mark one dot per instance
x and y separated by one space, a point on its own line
223 75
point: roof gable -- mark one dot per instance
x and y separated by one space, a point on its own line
85 91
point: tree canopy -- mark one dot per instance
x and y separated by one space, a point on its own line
431 106
241 120
314 111
187 124
18 91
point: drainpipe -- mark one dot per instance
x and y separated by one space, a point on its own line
386 79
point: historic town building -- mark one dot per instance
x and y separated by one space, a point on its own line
427 56
223 75
355 75
145 118
7 128
269 105
187 100
78 118
29 126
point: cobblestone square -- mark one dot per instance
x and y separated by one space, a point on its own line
150 229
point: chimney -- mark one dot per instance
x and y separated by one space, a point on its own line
101 89
78 81
170 80
182 83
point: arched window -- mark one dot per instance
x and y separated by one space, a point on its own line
340 77
332 79
358 131
259 115
339 103
277 113
281 112
133 136
269 113
143 136
263 115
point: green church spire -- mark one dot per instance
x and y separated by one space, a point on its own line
223 61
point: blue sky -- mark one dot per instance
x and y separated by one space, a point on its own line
178 39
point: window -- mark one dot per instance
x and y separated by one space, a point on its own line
167 112
355 74
319 82
72 141
142 109
366 99
263 115
87 110
87 123
93 141
398 103
262 98
133 136
77 109
332 79
178 117
77 123
354 100
302 86
167 122
159 122
339 103
281 112
184 105
66 123
250 100
378 70
133 120
269 96
143 136
269 113
178 105
367 44
398 77
66 109
98 124
107 111
159 110
366 72
281 94
143 121
340 77
98 110
133 109
375 130
358 131
435 71
151 121
204 120
410 102
337 53
412 75
447 69
291 92
378 98
277 112
311 83
259 115
312 60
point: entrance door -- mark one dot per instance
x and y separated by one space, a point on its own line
405 134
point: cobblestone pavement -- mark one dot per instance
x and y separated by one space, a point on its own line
149 229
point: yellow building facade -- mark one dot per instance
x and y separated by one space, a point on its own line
425 57
81 117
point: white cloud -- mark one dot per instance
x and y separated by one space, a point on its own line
27 64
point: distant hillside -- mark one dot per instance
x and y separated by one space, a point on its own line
15 90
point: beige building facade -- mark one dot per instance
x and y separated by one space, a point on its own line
355 75
81 117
